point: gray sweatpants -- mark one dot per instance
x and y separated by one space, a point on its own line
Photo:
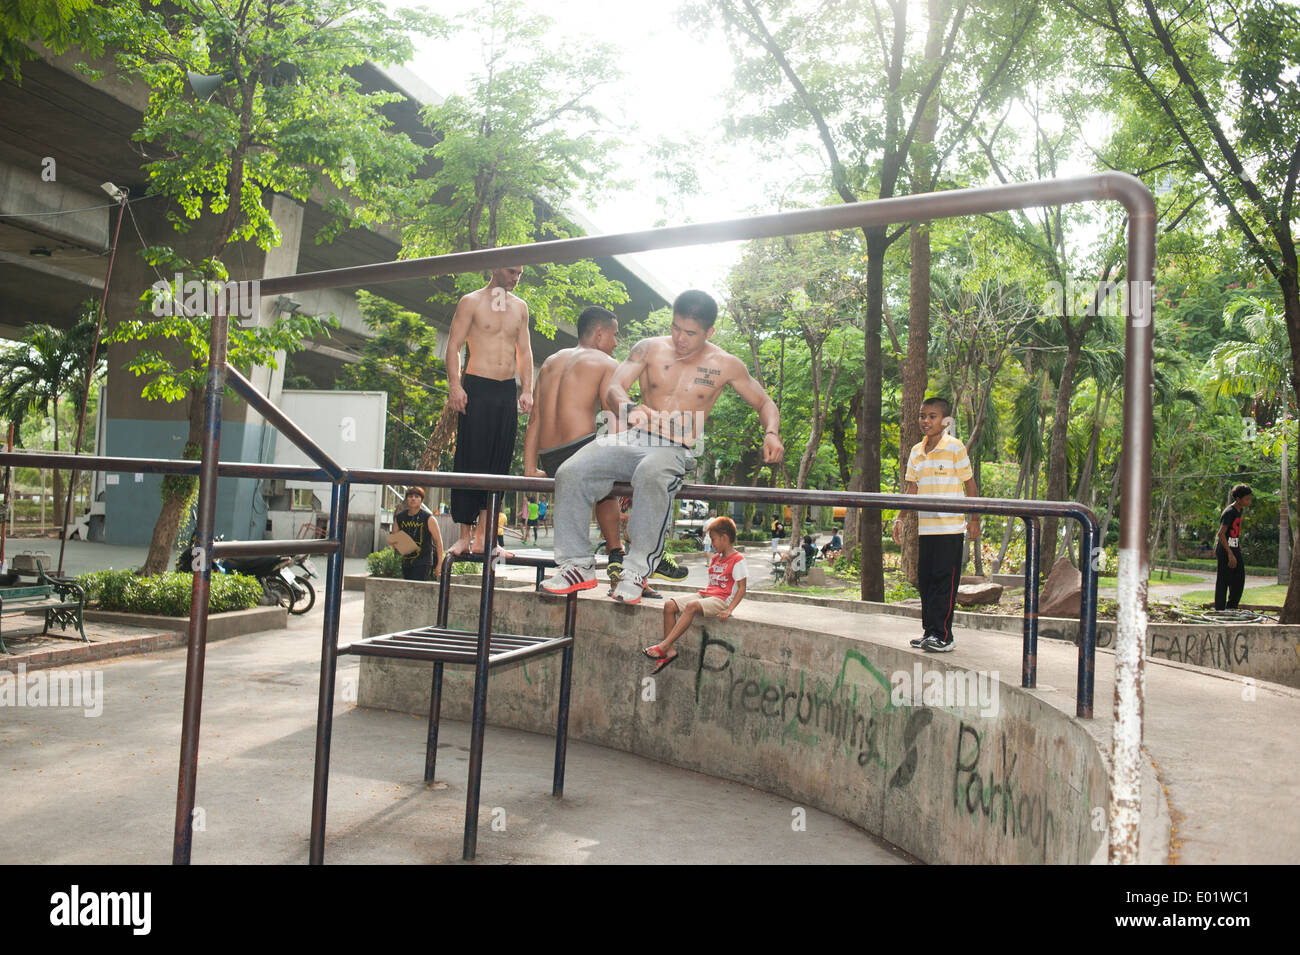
655 468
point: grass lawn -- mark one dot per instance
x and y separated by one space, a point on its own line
1272 596
849 592
1156 578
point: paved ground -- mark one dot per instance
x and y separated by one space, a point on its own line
102 789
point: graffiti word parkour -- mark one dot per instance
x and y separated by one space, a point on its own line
946 688
83 689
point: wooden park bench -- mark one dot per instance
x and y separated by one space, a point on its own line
60 598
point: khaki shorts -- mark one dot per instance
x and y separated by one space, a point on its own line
709 606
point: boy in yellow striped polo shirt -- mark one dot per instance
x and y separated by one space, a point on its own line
938 465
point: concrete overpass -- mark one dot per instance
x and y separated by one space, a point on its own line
61 136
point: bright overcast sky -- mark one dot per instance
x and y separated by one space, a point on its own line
674 87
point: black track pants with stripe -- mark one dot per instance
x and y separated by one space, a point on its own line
938 574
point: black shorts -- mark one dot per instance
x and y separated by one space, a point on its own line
485 439
551 459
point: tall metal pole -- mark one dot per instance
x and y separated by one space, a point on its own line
8 494
329 654
1131 623
202 567
90 374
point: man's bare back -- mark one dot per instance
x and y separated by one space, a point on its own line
569 386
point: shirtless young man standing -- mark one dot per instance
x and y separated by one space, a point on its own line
570 387
494 323
681 376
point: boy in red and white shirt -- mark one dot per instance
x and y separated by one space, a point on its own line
728 574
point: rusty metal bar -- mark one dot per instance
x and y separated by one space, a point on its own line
478 716
236 469
329 655
1029 656
274 548
918 208
283 423
198 633
1135 512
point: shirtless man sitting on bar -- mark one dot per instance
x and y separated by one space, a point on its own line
681 376
570 387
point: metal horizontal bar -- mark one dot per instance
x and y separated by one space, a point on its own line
550 646
918 208
454 643
283 423
459 637
89 462
505 482
712 492
519 560
414 651
408 653
273 548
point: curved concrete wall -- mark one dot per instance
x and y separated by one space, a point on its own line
802 714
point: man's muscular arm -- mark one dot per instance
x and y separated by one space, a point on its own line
616 397
460 325
606 379
524 364
768 416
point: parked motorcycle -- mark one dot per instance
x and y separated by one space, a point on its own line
280 585
300 574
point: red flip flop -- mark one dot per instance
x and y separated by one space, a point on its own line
661 659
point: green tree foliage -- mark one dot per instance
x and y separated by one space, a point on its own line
511 153
291 119
856 77
56 24
36 373
400 358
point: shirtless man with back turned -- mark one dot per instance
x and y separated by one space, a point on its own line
570 386
494 323
681 376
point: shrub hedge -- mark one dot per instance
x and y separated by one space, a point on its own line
166 594
384 563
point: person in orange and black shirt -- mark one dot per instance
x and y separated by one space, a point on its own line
1231 578
422 527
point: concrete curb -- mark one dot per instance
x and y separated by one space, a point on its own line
220 625
159 633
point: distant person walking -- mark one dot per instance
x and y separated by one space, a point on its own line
533 511
1231 578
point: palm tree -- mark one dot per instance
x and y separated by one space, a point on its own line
46 365
1260 368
